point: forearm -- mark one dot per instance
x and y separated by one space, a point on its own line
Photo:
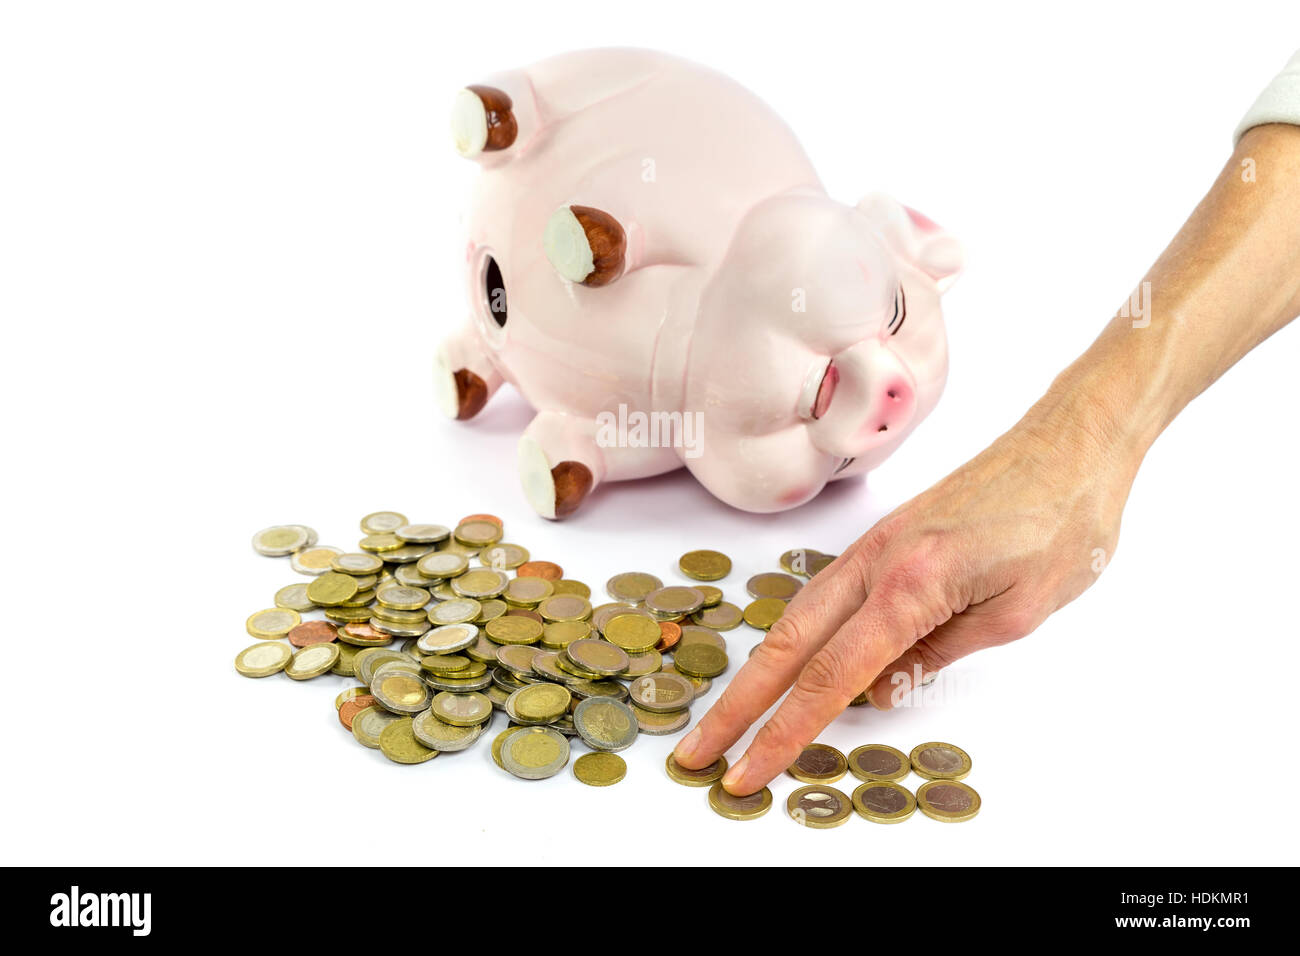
1229 279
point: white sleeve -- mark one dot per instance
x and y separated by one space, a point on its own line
1279 103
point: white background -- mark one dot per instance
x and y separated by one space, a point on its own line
229 243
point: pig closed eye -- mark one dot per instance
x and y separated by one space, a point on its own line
494 290
900 312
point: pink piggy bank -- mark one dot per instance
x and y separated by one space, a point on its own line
653 263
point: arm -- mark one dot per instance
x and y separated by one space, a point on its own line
984 556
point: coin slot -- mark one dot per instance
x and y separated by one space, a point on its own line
494 291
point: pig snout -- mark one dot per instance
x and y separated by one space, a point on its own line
866 397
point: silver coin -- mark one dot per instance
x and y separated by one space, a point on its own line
399 691
674 601
458 685
358 562
399 596
406 666
382 522
632 586
407 553
660 725
606 724
294 597
662 693
423 533
480 583
365 669
408 575
279 540
400 630
612 689
457 611
442 564
531 750
437 735
312 537
448 639
295 559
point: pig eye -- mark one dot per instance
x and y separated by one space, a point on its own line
494 289
900 312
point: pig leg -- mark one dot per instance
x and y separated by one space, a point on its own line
585 245
463 376
484 120
562 459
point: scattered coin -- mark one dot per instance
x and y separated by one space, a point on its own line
796 561
401 693
546 570
382 522
697 634
313 632
538 704
939 761
401 598
764 612
659 725
363 634
357 563
279 540
723 616
480 583
527 592
350 693
294 597
634 633
577 588
600 769
564 607
503 556
749 807
455 611
597 657
399 744
819 806
674 601
349 709
819 763
705 565
670 632
879 762
639 665
477 533
605 723
272 623
447 639
513 629
312 661
442 565
631 586
773 584
704 777
313 561
534 753
461 710
440 735
883 801
332 588
662 693
369 722
948 801
263 660
560 634
423 533
700 660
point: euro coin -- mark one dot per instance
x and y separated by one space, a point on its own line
378 543
534 753
597 657
517 657
332 588
480 583
749 807
312 661
538 704
347 615
391 616
712 595
447 664
659 725
408 575
312 537
399 630
349 709
722 617
605 724
512 629
704 565
696 634
639 665
818 806
702 685
350 693
357 563
704 777
439 735
459 685
499 741
883 801
423 533
633 633
400 693
482 649
312 632
477 533
294 597
661 693
547 570
598 688
821 563
544 666
263 660
576 588
670 633
631 586
796 560
674 601
490 609
382 522
407 554
948 801
313 561
461 710
819 763
442 565
399 744
448 639
362 634
600 769
699 660
503 556
564 607
557 635
773 584
939 761
400 598
526 592
764 612
455 611
367 661
879 762
369 722
279 540
344 666
272 623
603 612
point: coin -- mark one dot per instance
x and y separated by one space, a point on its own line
503 556
489 610
517 657
669 634
279 540
350 693
347 615
499 740
560 634
400 693
312 661
819 806
699 660
749 807
658 725
764 612
704 777
598 688
819 763
600 769
576 588
939 761
455 611
457 685
512 629
382 522
702 685
399 630
712 595
390 616
634 633
722 617
696 634
948 801
480 583
369 722
535 753
448 639
477 533
442 564
483 649
605 723
601 614
401 598
564 607
344 667
378 543
674 601
313 561
349 709
538 703
527 592
368 660
442 736
362 634
357 562
639 665
796 560
312 632
631 586
409 576
446 664
423 533
597 657
773 584
461 710
546 570
493 518
331 588
878 762
272 623
662 693
263 660
704 565
820 563
294 597
883 801
399 744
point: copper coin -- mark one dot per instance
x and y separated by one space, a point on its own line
313 632
492 518
356 705
670 632
540 569
525 612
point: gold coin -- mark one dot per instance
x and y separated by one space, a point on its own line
382 522
631 586
724 616
749 807
447 639
764 612
883 801
564 607
423 533
332 588
378 543
368 724
674 601
819 806
704 777
712 595
503 556
477 534
879 762
455 611
538 703
406 554
390 616
821 563
576 588
401 693
312 661
313 561
442 565
597 657
499 740
939 761
480 583
535 753
461 710
264 659
773 584
705 565
513 630
797 560
819 763
344 666
491 609
357 563
435 734
699 660
600 769
349 693
948 801
277 541
272 623
659 725
348 615
696 634
527 592
401 598
398 743
446 664
294 597
557 635
642 665
633 633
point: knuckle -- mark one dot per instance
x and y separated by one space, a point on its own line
822 675
782 640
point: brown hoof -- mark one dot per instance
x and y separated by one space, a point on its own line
471 394
585 245
482 121
572 484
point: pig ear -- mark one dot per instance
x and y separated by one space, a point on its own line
916 237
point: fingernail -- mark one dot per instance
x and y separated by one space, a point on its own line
736 774
687 746
871 697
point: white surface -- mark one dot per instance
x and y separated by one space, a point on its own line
229 246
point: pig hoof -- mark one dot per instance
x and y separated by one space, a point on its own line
572 484
553 492
481 120
460 394
585 245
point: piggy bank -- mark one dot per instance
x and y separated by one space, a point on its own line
653 263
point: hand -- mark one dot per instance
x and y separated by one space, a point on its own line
980 559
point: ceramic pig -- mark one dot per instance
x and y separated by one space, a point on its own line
653 263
